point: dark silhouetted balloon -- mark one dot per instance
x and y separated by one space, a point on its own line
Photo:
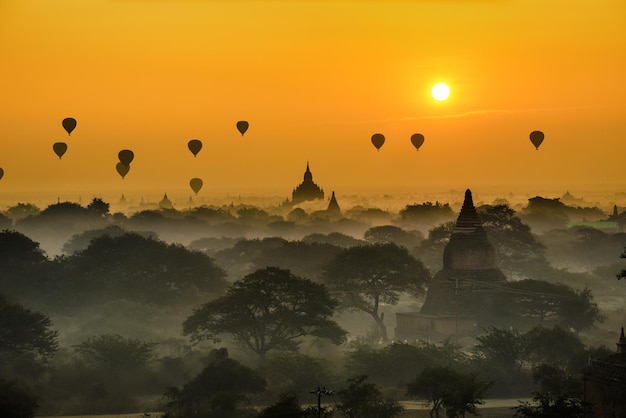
122 169
536 137
1 173
242 126
195 145
417 140
378 140
196 184
69 124
126 156
59 148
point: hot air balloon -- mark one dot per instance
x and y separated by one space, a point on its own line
536 137
59 148
126 156
417 140
1 173
122 169
195 145
378 140
242 126
196 184
69 124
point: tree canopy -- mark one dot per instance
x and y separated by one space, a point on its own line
269 309
367 276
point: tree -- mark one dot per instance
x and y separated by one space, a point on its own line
446 388
362 399
140 268
426 214
367 276
557 394
22 265
287 406
519 252
500 355
21 211
388 233
25 331
99 207
270 309
556 346
218 391
16 401
388 365
542 301
114 352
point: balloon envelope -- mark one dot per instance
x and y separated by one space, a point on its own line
417 140
378 140
122 169
196 184
242 126
195 145
69 124
59 148
126 156
536 137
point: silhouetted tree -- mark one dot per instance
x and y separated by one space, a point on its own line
270 309
367 276
99 207
425 214
542 301
219 390
289 372
443 387
22 265
27 340
385 234
557 394
362 399
16 400
21 211
388 365
142 269
287 406
23 330
114 352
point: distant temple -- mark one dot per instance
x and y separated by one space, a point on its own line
166 203
333 206
307 190
460 295
604 383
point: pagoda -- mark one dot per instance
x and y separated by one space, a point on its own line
460 296
307 190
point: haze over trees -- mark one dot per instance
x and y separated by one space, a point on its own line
113 294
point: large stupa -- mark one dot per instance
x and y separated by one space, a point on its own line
460 296
307 190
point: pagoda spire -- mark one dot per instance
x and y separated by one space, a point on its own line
467 221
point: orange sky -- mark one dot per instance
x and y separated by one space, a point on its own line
315 79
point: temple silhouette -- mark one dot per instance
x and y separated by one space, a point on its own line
460 296
604 383
305 191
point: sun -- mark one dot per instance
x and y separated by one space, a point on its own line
440 91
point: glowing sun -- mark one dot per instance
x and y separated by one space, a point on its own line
440 91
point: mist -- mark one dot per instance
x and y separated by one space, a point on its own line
128 273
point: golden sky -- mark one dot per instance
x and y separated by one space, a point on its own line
315 79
